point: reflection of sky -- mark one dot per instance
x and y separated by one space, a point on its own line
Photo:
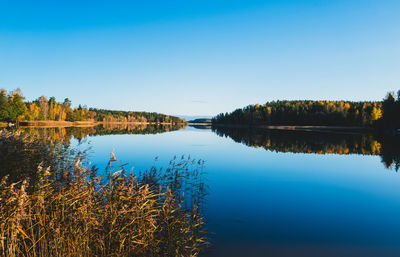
260 198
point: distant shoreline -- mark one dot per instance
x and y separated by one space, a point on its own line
200 123
304 128
50 124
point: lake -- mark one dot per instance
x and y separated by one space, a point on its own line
272 193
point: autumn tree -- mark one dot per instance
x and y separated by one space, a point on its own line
327 113
3 105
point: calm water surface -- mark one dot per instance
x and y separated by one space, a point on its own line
265 202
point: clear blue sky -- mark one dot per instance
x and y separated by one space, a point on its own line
199 57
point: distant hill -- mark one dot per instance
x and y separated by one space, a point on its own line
203 120
194 117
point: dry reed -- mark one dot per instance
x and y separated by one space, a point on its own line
75 214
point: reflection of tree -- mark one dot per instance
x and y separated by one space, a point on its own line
134 128
201 126
21 154
391 152
303 142
65 134
388 147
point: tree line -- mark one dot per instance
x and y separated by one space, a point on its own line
391 112
13 107
312 113
129 116
383 115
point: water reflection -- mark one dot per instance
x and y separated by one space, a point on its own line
390 152
317 142
200 126
265 203
21 154
67 133
22 149
272 140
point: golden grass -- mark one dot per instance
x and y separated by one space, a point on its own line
72 212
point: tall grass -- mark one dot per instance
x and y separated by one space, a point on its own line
70 211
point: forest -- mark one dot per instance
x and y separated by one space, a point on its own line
305 113
383 115
391 112
14 108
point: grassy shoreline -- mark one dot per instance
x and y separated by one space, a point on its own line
77 123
